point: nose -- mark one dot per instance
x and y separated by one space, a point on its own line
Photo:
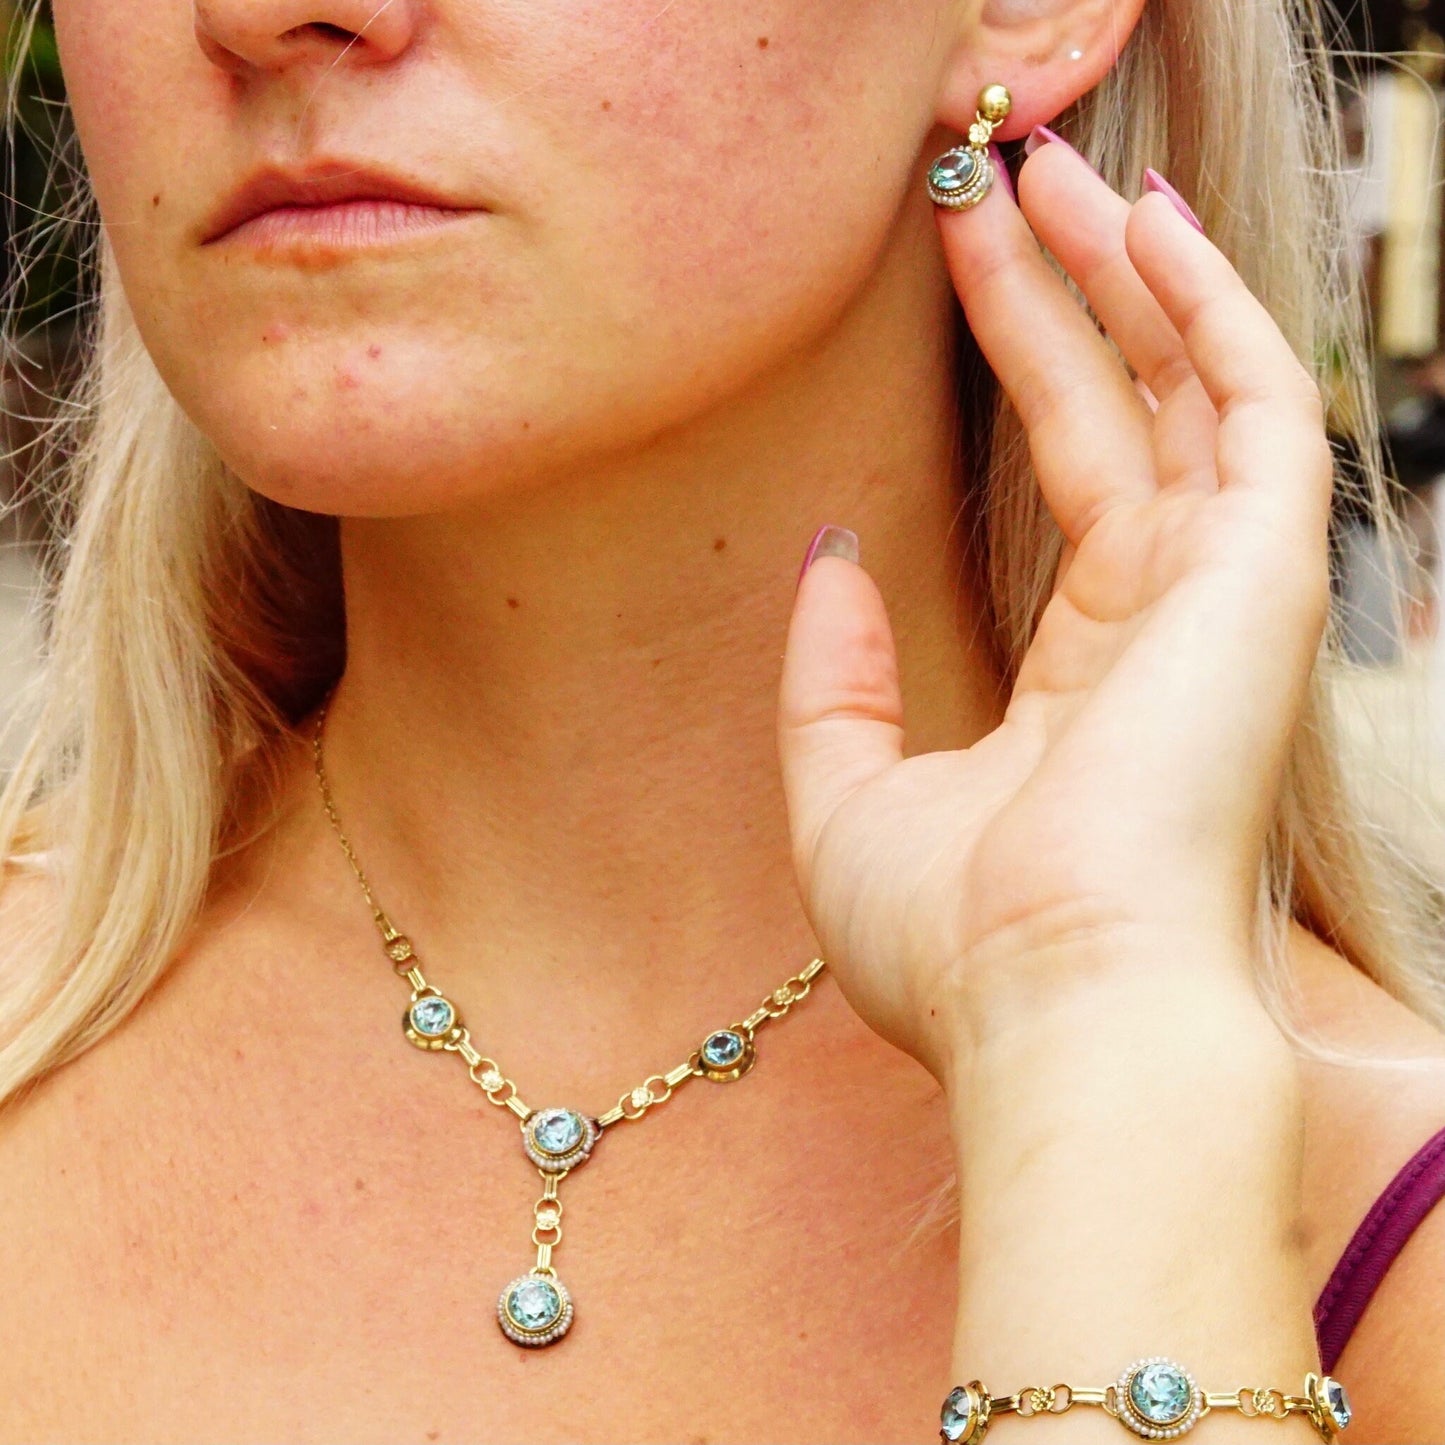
248 35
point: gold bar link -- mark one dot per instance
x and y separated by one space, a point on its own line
613 1116
415 979
811 971
544 1256
752 1021
468 1051
677 1075
519 1108
550 1183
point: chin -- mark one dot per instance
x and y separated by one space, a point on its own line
371 429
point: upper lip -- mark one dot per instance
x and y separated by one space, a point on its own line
323 184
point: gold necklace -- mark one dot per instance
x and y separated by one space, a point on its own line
536 1308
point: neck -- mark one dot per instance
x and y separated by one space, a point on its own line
554 744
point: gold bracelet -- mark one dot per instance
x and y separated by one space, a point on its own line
1154 1397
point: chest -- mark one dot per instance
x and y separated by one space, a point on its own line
250 1253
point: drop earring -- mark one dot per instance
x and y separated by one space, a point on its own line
961 177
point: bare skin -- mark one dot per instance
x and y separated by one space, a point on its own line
568 588
256 1214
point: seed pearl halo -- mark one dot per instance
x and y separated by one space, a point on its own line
551 1163
554 1331
1129 1415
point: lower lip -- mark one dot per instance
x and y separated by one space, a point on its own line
345 226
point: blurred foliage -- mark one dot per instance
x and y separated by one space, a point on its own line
39 154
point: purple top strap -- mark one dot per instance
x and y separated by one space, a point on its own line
1382 1234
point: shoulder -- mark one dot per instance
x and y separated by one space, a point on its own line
1362 1126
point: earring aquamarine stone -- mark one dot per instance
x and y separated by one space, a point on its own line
961 177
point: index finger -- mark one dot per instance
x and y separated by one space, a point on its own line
1089 429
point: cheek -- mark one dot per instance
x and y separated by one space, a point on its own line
130 86
699 188
741 157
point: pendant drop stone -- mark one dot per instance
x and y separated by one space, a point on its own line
535 1309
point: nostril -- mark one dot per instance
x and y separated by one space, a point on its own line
324 31
241 36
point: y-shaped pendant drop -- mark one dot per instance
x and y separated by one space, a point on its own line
535 1308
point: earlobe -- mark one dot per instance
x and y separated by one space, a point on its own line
1047 52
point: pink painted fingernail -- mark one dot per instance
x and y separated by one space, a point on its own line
1042 135
1002 169
1153 181
830 541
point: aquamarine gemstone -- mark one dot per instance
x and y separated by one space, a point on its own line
1337 1403
1160 1393
533 1305
432 1016
952 172
722 1049
957 1414
557 1131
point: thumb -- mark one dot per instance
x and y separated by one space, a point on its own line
840 713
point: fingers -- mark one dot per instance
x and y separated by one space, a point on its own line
1081 220
1089 429
840 714
1271 435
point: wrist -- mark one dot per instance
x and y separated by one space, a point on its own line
1136 1095
1142 1002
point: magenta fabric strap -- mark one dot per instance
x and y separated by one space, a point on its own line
1382 1234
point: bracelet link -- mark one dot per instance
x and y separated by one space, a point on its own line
1155 1398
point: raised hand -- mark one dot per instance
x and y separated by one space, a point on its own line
1121 809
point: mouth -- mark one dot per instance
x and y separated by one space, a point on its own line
333 206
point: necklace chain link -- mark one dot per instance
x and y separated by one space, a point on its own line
502 1091
485 1072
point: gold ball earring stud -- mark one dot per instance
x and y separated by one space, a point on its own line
961 177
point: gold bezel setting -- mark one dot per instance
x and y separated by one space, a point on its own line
980 1406
555 1163
1321 1412
1141 1424
450 1034
974 189
725 1073
554 1330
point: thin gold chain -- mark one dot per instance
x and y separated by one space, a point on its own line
484 1071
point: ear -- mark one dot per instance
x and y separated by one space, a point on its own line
1047 52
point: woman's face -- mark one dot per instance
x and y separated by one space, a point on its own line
649 204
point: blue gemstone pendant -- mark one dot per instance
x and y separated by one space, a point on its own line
535 1309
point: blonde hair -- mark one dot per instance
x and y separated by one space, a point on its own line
194 623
